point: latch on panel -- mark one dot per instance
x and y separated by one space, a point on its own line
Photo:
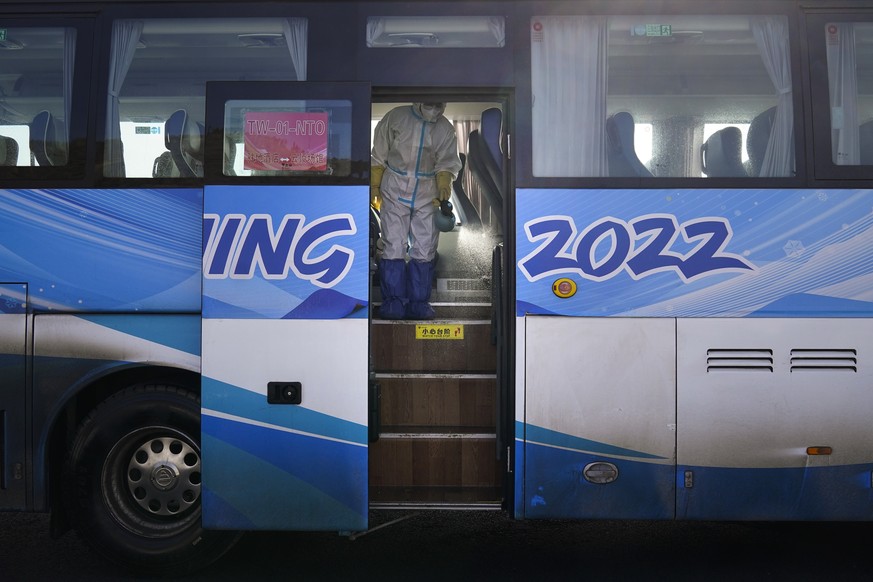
689 479
284 392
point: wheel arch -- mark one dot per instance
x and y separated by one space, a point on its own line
79 402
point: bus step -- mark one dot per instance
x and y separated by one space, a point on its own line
448 498
426 506
396 347
458 310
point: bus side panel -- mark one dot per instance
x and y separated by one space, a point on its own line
696 253
13 333
599 391
754 397
103 250
285 466
285 357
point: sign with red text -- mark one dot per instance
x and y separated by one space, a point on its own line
286 141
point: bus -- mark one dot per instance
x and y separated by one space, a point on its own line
656 302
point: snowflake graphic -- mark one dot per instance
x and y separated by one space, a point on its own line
793 248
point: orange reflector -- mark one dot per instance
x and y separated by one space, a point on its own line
819 450
564 288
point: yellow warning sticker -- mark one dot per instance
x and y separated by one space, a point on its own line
443 331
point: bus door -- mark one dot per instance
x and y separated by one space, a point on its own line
438 437
285 306
13 331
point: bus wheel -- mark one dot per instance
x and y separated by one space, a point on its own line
132 482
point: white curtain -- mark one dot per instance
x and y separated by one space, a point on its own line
497 26
568 65
375 28
843 86
125 37
69 63
771 36
295 30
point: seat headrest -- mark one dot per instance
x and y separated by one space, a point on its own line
757 139
721 155
491 128
47 141
8 151
623 122
180 127
621 155
184 138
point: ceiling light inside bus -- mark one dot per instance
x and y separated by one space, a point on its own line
262 40
413 38
10 45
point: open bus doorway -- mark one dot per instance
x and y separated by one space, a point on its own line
439 442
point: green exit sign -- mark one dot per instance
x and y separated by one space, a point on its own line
659 30
2 34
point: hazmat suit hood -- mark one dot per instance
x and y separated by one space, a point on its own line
430 112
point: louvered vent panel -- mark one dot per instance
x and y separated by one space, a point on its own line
837 360
739 360
467 285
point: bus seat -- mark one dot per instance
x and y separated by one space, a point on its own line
46 135
491 128
8 151
757 139
184 139
468 214
722 154
165 167
865 143
483 163
621 156
478 157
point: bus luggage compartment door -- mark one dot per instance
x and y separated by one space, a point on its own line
599 428
284 369
13 330
774 418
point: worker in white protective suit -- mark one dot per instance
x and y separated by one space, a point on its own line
414 161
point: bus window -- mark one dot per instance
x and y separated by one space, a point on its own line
157 84
850 86
674 72
36 72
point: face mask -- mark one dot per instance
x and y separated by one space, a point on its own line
431 111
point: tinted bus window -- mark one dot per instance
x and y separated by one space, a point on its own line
597 80
36 79
157 84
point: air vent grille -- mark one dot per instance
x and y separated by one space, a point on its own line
841 360
739 360
467 285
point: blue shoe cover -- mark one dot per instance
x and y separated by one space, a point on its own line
420 280
392 282
419 310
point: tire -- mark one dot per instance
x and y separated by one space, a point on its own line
132 482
